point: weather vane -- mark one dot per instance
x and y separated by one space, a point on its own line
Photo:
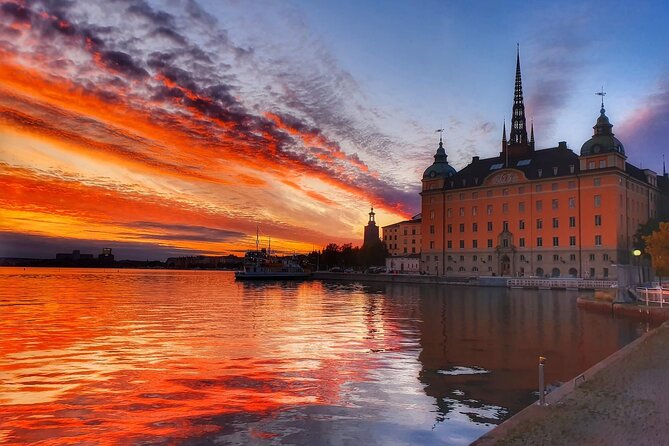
441 132
602 94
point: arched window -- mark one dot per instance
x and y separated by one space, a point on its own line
475 269
461 269
555 272
449 269
573 272
540 272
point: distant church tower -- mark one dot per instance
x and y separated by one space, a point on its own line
371 231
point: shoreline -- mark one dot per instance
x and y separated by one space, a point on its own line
582 409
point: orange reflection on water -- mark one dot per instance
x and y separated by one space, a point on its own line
111 357
115 357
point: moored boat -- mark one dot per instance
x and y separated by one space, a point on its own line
260 265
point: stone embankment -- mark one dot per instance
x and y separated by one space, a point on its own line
622 400
634 310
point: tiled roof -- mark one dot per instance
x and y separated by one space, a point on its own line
540 164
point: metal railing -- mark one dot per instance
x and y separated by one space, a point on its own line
569 283
654 295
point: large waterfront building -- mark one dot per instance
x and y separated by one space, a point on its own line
528 212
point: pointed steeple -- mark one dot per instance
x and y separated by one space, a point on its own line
532 134
504 137
664 167
518 124
440 156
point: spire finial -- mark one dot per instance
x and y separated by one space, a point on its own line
664 167
440 131
532 132
602 94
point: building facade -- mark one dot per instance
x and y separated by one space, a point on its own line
404 237
403 264
527 212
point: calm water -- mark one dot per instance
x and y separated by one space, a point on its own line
106 357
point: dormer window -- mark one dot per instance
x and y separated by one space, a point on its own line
539 172
555 170
571 168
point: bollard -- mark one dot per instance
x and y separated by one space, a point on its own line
542 389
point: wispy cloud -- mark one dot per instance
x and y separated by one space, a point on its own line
170 103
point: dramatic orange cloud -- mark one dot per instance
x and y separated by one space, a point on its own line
123 144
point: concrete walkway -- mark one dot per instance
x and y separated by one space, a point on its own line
624 403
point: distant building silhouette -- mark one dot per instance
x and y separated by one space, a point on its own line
371 231
106 256
75 256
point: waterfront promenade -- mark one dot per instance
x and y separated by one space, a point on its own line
625 402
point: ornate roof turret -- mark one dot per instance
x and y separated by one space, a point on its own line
603 139
440 167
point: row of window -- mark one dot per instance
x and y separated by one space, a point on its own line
390 237
539 206
521 242
523 258
521 225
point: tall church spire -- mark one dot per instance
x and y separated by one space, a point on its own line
532 134
518 124
504 137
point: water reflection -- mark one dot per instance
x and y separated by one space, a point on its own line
165 357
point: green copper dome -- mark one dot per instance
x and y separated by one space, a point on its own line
440 167
603 140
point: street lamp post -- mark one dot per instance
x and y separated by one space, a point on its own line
637 254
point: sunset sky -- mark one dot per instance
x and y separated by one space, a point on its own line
171 128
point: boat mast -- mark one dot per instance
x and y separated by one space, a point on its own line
257 240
